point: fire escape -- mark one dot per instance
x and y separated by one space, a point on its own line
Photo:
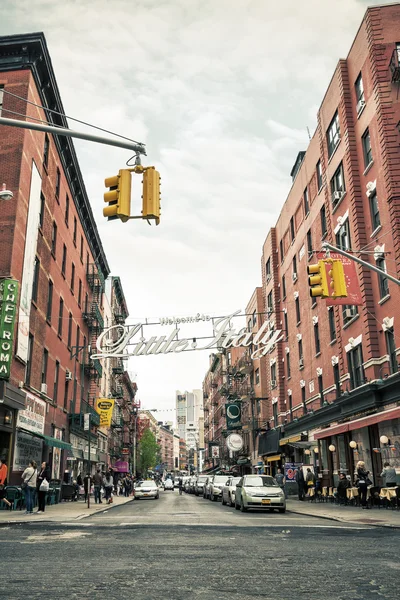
95 323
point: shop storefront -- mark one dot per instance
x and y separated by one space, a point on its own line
12 400
270 451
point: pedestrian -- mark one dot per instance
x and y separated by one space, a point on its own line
97 481
29 477
342 487
128 487
108 483
86 485
281 480
300 483
3 482
389 474
363 483
42 482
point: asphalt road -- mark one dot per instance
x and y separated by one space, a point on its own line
182 547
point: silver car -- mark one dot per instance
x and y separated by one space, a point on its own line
259 491
199 485
146 489
229 490
216 485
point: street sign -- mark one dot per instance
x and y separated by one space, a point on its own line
234 441
86 422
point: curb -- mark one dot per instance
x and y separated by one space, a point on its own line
80 518
339 520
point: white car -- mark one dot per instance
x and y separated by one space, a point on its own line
228 491
146 489
259 491
168 484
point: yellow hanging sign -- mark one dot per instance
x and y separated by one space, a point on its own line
104 407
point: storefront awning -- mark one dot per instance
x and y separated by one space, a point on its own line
273 458
50 441
385 415
268 442
288 440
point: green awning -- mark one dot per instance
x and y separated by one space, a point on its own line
243 461
50 441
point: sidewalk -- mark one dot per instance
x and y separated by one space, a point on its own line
64 511
378 517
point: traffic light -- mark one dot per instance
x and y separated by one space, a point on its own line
151 194
318 280
119 196
336 279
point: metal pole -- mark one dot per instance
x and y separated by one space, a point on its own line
89 486
140 148
328 246
134 446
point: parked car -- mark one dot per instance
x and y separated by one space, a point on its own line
216 485
146 489
199 485
168 484
192 484
229 490
259 491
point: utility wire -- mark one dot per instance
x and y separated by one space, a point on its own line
67 117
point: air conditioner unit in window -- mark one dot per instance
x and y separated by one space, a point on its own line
348 313
68 375
294 276
360 105
301 362
337 196
43 388
273 383
269 277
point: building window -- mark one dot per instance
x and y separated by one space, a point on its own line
275 413
35 284
292 231
303 399
338 187
268 269
45 361
319 175
343 240
321 390
1 98
332 326
49 302
286 322
254 318
46 151
273 375
367 151
66 216
75 231
60 317
309 244
290 407
316 339
78 340
56 378
58 181
356 369
64 261
288 369
349 312
301 357
28 368
270 303
359 93
81 251
306 203
383 280
66 394
281 250
80 293
374 209
257 376
54 240
297 305
72 278
41 214
69 330
283 287
322 214
333 134
294 265
391 350
336 379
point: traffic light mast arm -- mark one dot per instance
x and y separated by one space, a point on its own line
327 246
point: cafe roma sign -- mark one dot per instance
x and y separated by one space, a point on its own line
120 341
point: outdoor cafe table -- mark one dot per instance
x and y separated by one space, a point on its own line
388 493
352 493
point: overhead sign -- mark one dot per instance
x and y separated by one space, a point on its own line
8 307
214 451
233 415
104 407
234 441
113 342
32 418
27 447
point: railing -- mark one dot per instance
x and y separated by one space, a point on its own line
77 418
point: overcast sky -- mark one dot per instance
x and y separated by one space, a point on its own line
222 93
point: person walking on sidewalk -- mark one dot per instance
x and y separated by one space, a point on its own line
29 477
363 482
108 486
97 481
3 482
281 480
300 483
42 481
389 474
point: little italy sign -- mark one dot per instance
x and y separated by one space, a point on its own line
113 342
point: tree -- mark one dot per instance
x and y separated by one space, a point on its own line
148 450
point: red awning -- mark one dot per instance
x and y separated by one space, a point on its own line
385 415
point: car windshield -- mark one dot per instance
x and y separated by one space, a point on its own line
146 484
235 480
202 479
220 479
260 482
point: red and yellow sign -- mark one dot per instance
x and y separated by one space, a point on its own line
104 407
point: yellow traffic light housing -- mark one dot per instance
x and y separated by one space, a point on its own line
119 196
318 280
336 279
151 194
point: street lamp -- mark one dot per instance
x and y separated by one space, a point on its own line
332 448
384 440
353 444
5 194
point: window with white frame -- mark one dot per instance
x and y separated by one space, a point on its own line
355 366
349 312
374 210
297 306
359 86
338 186
319 175
383 280
332 325
268 269
306 202
391 350
288 369
270 302
273 375
343 240
367 151
317 339
333 134
300 348
322 213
